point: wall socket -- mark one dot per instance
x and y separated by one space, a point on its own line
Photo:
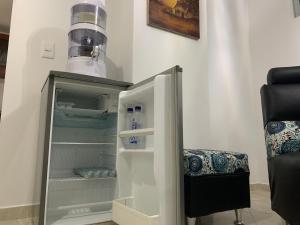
48 50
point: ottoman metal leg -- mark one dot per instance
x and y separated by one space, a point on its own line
239 217
191 221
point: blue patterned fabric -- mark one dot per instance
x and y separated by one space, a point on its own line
282 137
208 162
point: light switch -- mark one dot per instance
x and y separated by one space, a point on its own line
48 50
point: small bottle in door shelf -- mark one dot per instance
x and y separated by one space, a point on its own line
134 120
139 120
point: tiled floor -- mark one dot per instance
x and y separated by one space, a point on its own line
259 214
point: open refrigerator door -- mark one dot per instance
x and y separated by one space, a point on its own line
149 153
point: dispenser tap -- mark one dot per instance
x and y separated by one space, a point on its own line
95 53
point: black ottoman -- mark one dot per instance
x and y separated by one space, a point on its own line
215 181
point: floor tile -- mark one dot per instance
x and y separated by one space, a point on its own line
226 218
259 214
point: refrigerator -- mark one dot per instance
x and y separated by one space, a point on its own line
92 171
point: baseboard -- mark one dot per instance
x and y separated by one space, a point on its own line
19 212
260 187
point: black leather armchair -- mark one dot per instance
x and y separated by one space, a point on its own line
281 114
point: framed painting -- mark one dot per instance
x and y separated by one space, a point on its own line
3 53
296 7
177 16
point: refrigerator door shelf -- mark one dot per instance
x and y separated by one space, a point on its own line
144 96
125 214
138 132
124 151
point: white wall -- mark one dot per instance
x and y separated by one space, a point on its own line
120 35
274 36
233 116
274 42
218 102
274 39
32 22
155 50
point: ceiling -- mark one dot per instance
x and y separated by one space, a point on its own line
5 14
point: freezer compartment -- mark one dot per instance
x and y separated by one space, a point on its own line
89 99
82 110
124 213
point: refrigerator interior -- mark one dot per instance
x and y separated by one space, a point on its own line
82 180
138 188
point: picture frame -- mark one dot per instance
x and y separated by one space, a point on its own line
181 17
296 4
4 38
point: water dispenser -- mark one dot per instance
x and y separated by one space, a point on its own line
87 38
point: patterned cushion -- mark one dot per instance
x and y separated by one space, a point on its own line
282 137
209 162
